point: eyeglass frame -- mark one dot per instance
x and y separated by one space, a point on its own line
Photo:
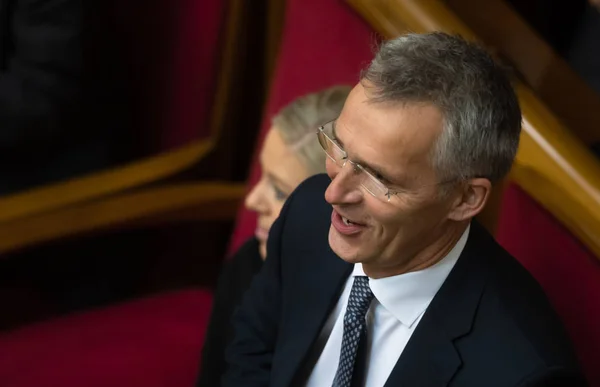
359 168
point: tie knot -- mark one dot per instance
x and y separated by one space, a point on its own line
360 296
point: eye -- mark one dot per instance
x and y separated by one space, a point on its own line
379 177
279 194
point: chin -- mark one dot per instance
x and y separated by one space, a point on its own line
343 248
262 249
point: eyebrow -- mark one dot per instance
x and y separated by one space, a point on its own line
368 166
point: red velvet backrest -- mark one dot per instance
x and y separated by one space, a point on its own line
324 43
196 51
169 52
568 272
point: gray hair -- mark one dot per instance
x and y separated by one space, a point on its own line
482 118
298 122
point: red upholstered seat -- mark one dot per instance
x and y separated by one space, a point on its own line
324 43
568 272
192 82
154 341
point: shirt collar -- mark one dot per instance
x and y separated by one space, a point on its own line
406 296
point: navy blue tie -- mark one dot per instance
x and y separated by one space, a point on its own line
355 329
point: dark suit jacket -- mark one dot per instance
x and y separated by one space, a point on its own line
489 325
235 279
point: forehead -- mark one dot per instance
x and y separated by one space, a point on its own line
397 135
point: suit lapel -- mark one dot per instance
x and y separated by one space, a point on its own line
430 357
312 304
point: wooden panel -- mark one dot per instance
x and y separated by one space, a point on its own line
103 183
193 201
552 79
552 165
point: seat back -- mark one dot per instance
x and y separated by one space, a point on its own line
163 58
324 43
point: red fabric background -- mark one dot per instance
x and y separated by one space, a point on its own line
149 342
568 272
190 95
171 51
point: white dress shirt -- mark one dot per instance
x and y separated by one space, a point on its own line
400 302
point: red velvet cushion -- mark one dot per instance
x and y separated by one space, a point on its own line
171 50
324 43
194 71
149 342
569 274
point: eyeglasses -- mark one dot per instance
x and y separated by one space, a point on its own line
338 155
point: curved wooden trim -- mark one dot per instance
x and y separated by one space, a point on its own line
228 66
553 80
552 165
195 201
103 183
558 171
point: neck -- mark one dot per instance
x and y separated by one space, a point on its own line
428 256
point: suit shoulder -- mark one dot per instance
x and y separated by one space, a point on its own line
307 213
314 186
309 196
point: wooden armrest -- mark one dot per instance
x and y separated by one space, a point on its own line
149 207
505 33
51 197
552 79
552 165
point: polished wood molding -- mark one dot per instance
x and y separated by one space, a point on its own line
149 207
552 165
96 185
552 79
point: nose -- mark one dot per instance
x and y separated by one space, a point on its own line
255 200
345 184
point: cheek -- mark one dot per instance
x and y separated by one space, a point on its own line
392 220
275 207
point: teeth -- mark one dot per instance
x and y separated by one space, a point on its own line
346 221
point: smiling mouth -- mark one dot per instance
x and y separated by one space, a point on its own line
347 222
344 225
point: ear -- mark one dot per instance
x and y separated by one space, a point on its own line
474 194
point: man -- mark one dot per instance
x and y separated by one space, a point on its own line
377 275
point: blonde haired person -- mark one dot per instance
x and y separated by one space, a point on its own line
290 154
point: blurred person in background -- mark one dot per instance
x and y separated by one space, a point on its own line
290 154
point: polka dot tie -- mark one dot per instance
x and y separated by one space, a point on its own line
355 328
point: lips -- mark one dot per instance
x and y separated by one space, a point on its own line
261 233
344 225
